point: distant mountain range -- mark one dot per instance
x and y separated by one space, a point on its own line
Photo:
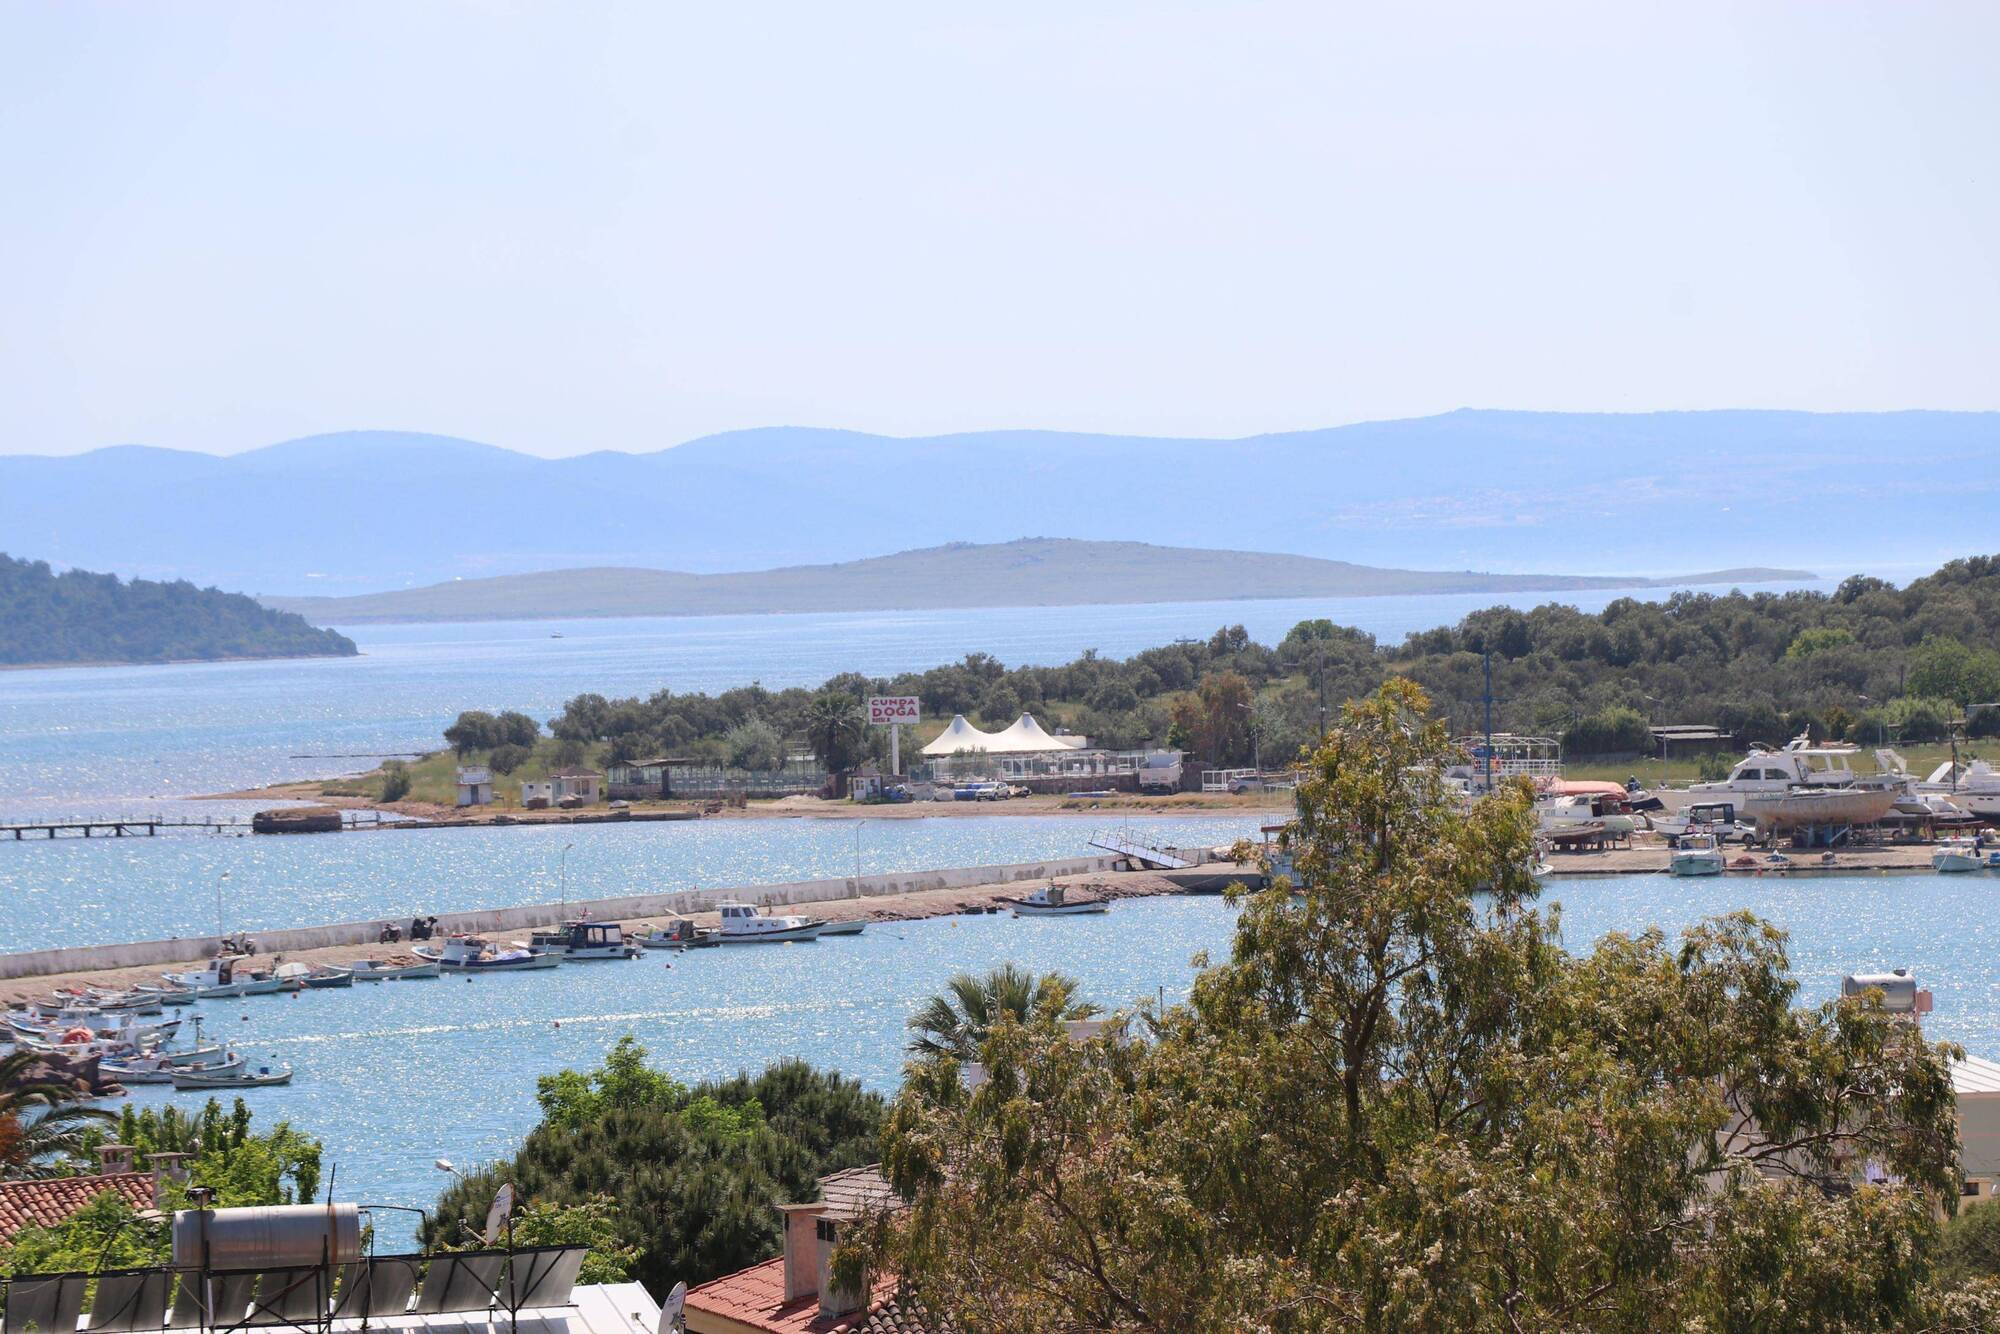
1512 491
1025 573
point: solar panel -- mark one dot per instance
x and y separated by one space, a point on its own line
231 1292
461 1282
377 1287
131 1300
292 1296
45 1302
541 1277
188 1311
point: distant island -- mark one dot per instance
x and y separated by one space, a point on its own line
1029 572
50 619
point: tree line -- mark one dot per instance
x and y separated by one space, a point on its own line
77 616
1870 662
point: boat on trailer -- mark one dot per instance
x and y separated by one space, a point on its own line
1052 900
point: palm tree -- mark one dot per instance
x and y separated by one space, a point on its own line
956 1021
834 730
43 1125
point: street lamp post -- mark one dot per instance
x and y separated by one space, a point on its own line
562 880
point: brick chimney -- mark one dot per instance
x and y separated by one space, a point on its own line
832 1301
802 1260
114 1158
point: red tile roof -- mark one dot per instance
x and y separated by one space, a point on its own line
754 1298
47 1203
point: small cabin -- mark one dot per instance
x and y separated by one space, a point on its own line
576 786
475 785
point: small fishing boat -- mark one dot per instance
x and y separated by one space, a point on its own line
226 976
395 968
161 1068
853 927
240 1077
744 925
471 954
1052 900
680 934
1958 854
299 976
580 940
1696 854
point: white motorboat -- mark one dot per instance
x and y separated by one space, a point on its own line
1958 854
1803 784
471 954
240 1076
581 940
100 1027
744 925
1703 817
1974 787
1052 900
396 968
1697 854
226 976
680 934
1567 812
160 1068
852 927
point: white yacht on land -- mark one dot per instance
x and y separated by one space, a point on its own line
744 925
1958 854
1802 784
1572 811
1975 789
1697 854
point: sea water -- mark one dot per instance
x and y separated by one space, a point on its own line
392 1076
74 891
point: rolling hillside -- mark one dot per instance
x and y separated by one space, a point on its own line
1027 572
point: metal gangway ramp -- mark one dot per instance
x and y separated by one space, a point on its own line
1155 859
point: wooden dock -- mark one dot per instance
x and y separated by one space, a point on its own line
148 826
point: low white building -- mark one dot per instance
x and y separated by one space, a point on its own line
475 785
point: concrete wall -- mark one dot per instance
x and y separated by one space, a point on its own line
186 949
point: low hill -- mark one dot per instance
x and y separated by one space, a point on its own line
359 511
78 617
1027 572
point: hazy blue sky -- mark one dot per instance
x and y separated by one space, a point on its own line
572 227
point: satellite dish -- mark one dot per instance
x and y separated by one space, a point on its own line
499 1212
670 1310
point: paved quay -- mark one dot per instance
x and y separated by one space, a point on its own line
890 898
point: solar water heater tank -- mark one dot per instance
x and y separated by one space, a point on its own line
272 1237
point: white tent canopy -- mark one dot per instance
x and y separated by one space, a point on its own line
1024 737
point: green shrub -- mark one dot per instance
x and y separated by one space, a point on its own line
395 780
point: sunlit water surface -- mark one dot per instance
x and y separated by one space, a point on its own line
396 1075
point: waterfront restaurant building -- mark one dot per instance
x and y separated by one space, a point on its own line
1028 754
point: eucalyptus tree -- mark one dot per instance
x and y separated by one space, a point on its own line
1400 1103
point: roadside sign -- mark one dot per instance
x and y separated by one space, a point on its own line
884 710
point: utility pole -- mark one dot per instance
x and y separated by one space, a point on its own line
1486 660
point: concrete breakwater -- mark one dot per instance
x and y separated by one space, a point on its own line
189 949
